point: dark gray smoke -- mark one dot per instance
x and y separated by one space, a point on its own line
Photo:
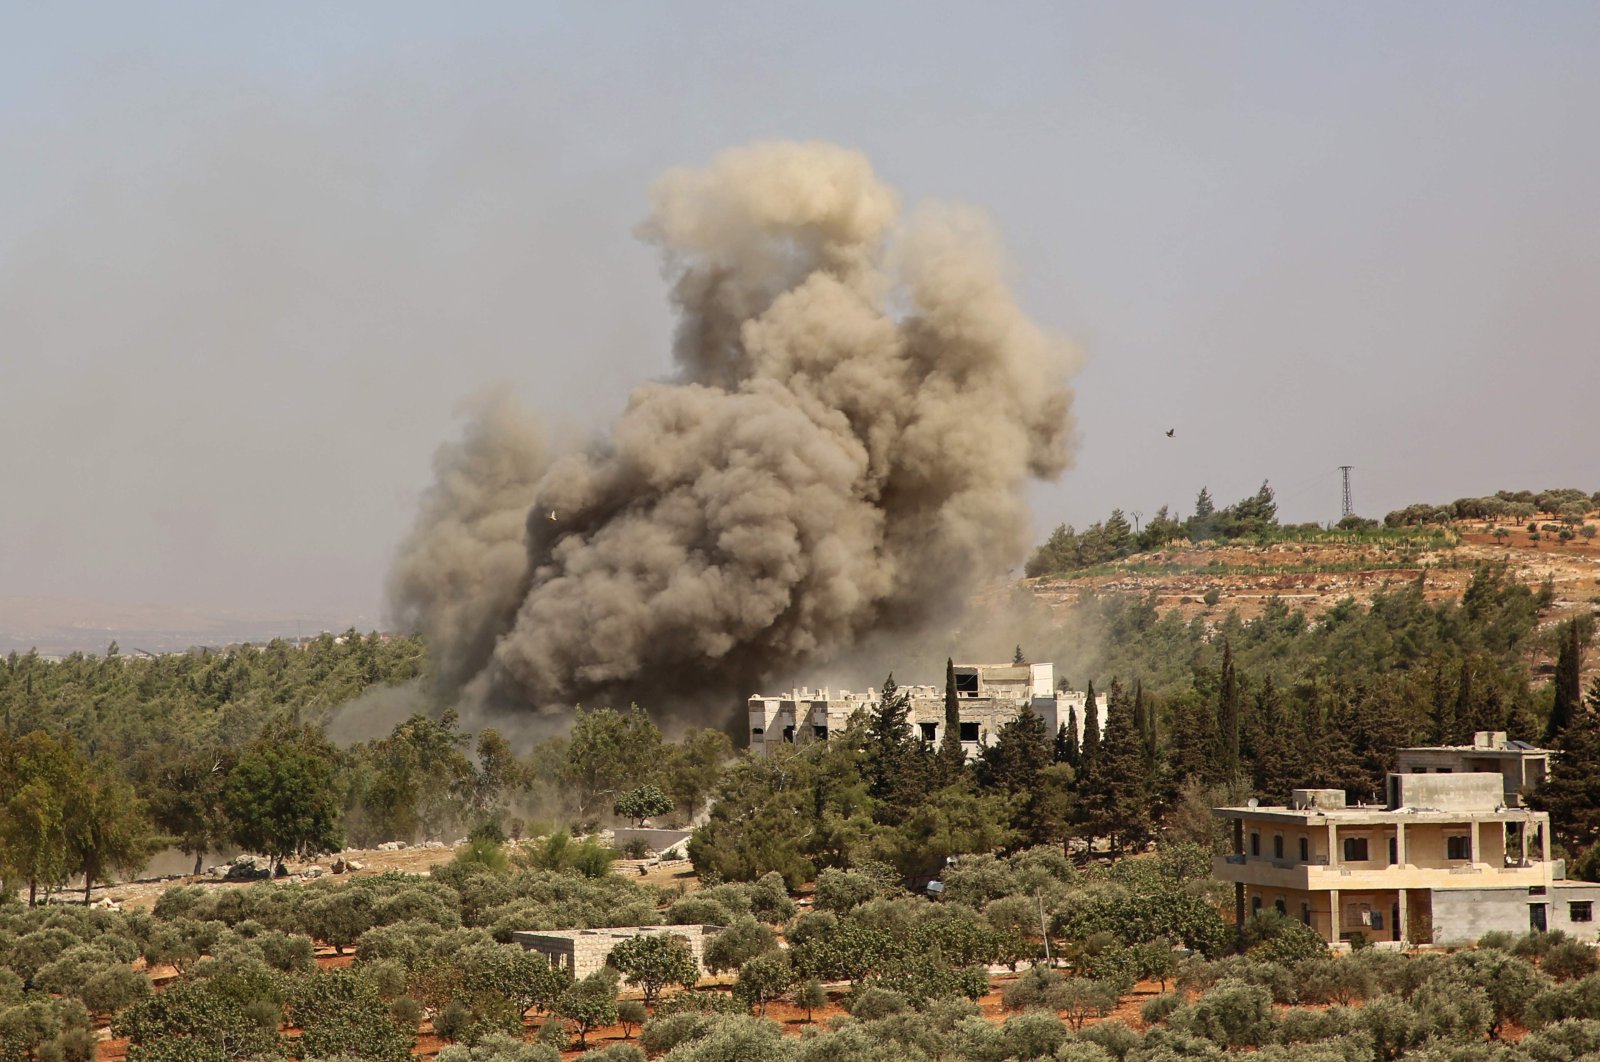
858 408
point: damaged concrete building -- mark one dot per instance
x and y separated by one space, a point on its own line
989 695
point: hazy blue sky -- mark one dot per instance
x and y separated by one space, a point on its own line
252 257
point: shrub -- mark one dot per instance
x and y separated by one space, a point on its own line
289 952
1569 960
738 944
870 1004
630 1014
1270 937
1498 939
112 988
841 890
662 1034
340 1012
1158 1009
1234 1014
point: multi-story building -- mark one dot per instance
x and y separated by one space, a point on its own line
1519 764
989 695
1448 858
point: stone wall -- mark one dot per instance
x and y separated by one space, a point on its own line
583 951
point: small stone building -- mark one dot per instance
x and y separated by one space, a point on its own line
581 952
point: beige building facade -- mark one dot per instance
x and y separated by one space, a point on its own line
1447 859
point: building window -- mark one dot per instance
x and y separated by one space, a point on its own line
1305 850
1355 849
1277 846
969 731
756 730
1278 903
1305 913
1255 904
1458 847
819 732
788 733
1255 844
967 684
1581 910
930 732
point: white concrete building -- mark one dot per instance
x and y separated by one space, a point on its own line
989 695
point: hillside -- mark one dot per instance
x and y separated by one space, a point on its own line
1315 572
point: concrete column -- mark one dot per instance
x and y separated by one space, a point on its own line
1405 931
1334 924
1544 840
1522 841
1333 845
1472 834
1400 846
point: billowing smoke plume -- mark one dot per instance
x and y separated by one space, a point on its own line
858 408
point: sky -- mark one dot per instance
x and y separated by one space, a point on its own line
254 261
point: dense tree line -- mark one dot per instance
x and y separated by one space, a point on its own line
1256 518
103 760
1068 549
1564 504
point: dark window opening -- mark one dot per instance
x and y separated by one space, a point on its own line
788 733
967 683
1446 770
1255 844
930 732
1255 904
1355 849
757 730
819 731
1458 847
1305 913
1581 911
1305 850
1536 918
1277 846
969 731
1278 903
1394 851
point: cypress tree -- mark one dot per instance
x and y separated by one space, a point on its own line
950 753
1571 791
1466 706
1228 714
1070 753
1569 663
1145 722
1089 748
1444 709
1115 791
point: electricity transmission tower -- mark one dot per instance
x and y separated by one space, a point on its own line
1346 509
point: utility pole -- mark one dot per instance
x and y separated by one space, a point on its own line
1346 509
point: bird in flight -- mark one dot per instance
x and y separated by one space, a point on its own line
1171 432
